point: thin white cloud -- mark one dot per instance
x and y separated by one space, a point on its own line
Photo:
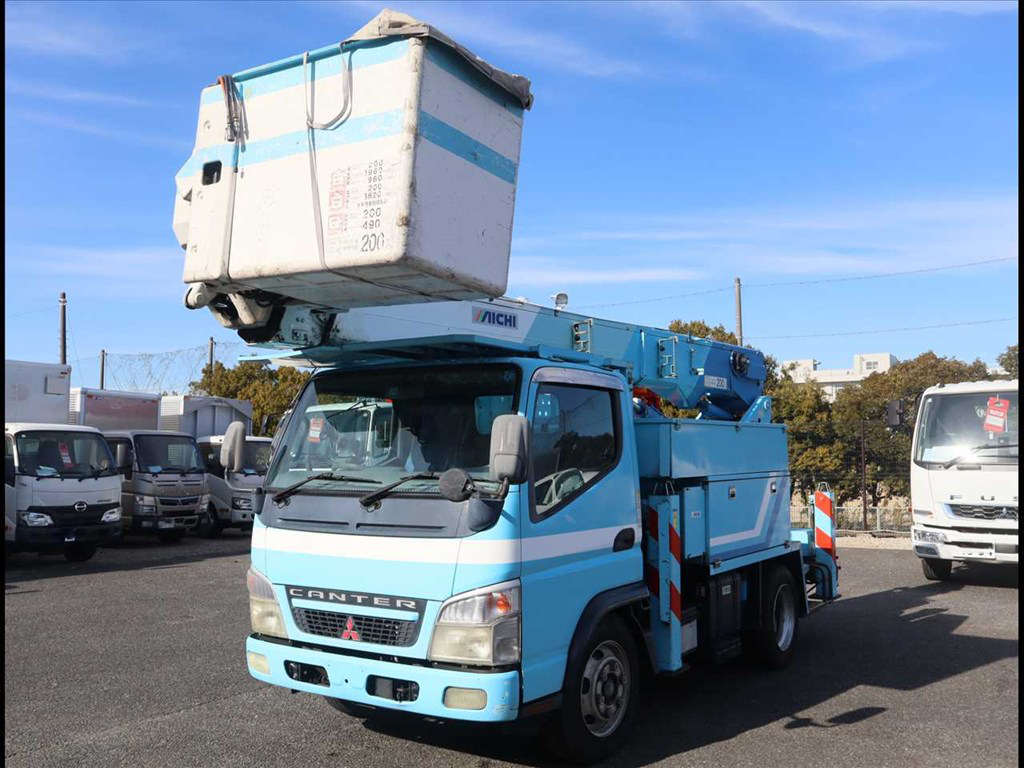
140 135
958 7
848 239
53 30
559 277
488 34
66 95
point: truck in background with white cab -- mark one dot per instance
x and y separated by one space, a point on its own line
60 482
232 479
964 474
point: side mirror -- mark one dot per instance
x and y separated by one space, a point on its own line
9 470
894 414
510 448
264 422
232 450
123 459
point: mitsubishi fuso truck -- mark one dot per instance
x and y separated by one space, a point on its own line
232 491
964 475
530 533
164 490
61 488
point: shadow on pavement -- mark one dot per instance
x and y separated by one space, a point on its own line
860 641
134 552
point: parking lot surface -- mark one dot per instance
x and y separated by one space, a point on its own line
137 658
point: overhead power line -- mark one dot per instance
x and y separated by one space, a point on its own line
890 330
818 281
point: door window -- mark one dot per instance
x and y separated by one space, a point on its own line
574 442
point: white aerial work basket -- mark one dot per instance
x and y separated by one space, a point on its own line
378 171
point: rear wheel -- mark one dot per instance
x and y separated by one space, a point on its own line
599 697
772 643
935 569
170 537
79 553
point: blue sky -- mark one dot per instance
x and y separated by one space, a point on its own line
671 148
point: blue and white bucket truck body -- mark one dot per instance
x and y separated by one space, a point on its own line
533 532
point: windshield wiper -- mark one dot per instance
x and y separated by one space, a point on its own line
291 490
373 497
974 450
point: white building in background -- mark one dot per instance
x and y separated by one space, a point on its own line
832 380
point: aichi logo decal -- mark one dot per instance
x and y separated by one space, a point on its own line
488 316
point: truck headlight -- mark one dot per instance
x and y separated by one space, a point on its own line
241 502
145 505
936 537
36 519
264 612
480 627
204 501
111 515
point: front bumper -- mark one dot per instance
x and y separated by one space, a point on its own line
966 544
179 521
54 538
348 678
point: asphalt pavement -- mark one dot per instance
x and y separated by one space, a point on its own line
137 659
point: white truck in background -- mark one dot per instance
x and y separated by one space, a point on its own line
61 486
964 475
232 490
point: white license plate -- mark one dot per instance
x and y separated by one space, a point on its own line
69 539
165 524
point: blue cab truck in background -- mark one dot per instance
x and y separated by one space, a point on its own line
527 532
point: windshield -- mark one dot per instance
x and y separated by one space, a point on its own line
64 454
167 453
980 427
382 425
256 457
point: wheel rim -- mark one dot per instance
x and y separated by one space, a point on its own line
784 617
605 688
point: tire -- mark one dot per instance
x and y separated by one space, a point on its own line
79 553
773 641
169 537
210 526
350 708
935 569
599 699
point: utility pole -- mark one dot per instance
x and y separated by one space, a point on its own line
63 328
209 361
739 313
864 474
103 367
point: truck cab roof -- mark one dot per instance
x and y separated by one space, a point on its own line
218 439
27 426
968 387
131 433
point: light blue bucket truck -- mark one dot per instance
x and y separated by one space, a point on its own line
532 532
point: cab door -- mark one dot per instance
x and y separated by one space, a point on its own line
580 518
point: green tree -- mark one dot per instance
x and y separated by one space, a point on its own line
888 451
815 452
1009 361
271 390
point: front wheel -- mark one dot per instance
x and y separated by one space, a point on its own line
935 569
773 641
210 526
599 698
79 553
350 708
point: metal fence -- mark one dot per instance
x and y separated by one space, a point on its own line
891 521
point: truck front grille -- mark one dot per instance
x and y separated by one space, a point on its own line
977 512
367 629
178 501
